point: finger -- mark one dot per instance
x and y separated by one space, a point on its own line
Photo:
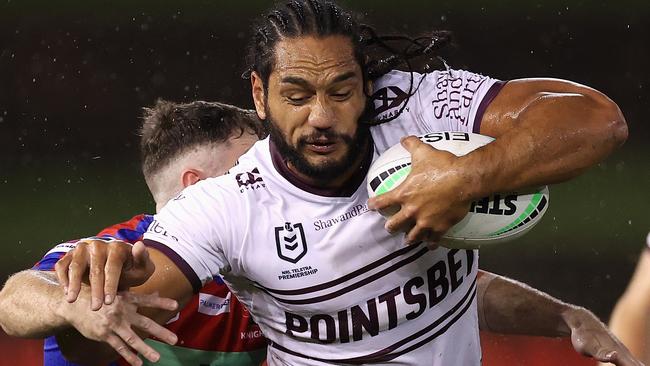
604 355
385 200
61 268
402 221
151 301
142 262
118 254
97 263
76 270
123 350
422 233
140 255
154 329
410 143
134 341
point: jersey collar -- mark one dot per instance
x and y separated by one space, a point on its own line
347 190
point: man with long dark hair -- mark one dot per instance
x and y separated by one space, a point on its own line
354 293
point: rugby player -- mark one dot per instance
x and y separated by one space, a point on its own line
630 320
352 292
180 145
201 326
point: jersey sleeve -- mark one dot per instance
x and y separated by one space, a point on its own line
457 99
187 231
445 100
128 231
53 255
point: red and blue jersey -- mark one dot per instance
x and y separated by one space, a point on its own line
213 329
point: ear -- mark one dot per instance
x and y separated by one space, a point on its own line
190 177
257 86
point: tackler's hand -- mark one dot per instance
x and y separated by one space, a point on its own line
110 265
590 337
431 199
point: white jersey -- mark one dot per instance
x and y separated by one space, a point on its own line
321 276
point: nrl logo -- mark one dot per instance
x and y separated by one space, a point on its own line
290 242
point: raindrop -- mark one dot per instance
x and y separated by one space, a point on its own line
33 80
443 18
629 222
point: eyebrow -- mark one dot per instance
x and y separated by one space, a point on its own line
305 84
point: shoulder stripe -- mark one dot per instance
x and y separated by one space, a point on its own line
178 261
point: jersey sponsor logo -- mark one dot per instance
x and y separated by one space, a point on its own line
384 312
249 180
290 242
213 305
63 248
386 99
328 223
156 228
253 334
454 95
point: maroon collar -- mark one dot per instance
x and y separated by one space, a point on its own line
346 190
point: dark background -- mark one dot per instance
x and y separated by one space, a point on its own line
74 76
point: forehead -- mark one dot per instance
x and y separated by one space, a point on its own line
315 57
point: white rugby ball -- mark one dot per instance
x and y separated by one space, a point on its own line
495 219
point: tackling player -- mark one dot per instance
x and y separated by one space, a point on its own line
630 319
180 145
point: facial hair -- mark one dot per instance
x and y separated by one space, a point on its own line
329 169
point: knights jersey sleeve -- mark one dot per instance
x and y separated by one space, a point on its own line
445 100
189 230
128 231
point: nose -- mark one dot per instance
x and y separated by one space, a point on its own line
321 115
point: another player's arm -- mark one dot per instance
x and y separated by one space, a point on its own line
29 305
32 305
510 307
630 320
166 281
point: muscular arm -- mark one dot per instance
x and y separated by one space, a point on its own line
630 319
166 281
30 305
510 307
33 305
546 131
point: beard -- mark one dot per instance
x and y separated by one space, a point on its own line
328 169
